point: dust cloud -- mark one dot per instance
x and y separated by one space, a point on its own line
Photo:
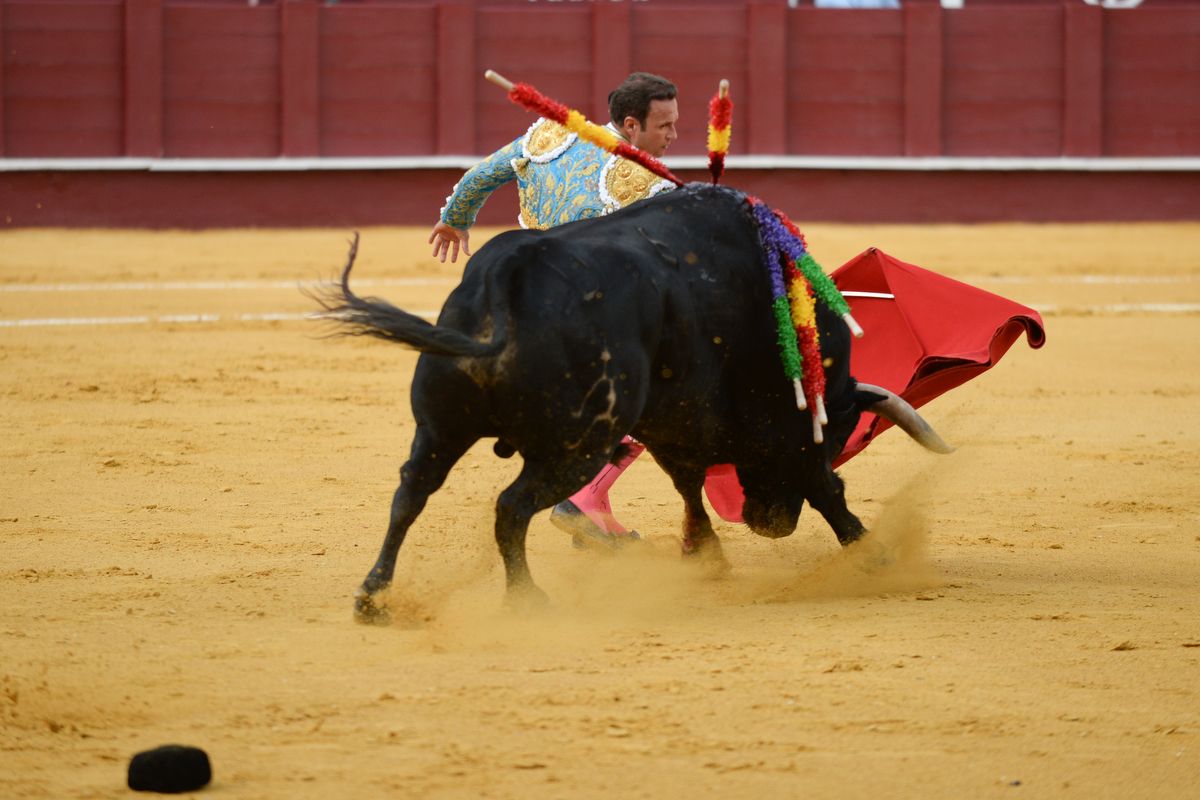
648 585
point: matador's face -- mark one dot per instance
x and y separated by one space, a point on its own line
659 131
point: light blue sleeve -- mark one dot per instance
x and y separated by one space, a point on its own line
477 186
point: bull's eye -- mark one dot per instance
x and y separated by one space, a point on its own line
666 373
716 340
827 363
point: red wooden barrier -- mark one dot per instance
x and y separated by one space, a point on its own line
210 78
223 79
923 71
63 79
143 78
1152 82
612 54
379 81
456 80
3 49
1083 71
1003 82
359 198
299 80
766 72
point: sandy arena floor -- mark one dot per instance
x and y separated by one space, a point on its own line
189 498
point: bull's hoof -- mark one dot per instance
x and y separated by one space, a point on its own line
707 554
849 537
526 598
368 612
871 555
609 543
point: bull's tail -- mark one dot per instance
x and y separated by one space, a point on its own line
372 316
896 410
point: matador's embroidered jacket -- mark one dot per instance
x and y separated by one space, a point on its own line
560 178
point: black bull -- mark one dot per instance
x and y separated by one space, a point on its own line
656 322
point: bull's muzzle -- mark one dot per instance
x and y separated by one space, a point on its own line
771 521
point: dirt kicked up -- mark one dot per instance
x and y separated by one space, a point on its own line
193 483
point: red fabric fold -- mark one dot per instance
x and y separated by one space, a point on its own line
936 333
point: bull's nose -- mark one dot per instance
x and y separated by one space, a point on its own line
773 522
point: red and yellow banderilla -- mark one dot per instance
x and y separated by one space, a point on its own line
720 115
525 95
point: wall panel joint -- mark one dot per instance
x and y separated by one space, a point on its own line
923 79
299 65
143 78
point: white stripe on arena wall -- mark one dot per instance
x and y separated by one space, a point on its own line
1097 280
171 319
1121 308
897 163
200 286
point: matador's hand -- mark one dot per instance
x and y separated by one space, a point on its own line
446 240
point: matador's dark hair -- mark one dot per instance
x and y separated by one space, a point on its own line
635 94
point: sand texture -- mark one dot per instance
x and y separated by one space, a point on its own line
189 498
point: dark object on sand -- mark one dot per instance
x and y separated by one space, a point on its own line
170 769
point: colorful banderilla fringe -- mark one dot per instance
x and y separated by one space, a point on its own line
720 114
525 95
797 280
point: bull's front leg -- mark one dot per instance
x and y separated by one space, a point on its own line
829 499
700 541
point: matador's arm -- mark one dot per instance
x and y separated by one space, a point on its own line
477 186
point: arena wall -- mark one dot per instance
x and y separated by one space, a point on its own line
212 112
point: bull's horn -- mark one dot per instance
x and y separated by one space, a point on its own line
818 432
896 410
819 401
798 387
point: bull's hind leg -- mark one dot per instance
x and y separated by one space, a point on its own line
428 464
543 482
829 499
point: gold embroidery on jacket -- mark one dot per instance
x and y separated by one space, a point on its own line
627 182
546 138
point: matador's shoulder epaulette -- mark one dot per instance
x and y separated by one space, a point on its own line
545 141
623 182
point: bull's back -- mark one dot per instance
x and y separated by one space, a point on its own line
667 299
690 253
704 303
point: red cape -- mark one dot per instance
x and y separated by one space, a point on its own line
924 335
